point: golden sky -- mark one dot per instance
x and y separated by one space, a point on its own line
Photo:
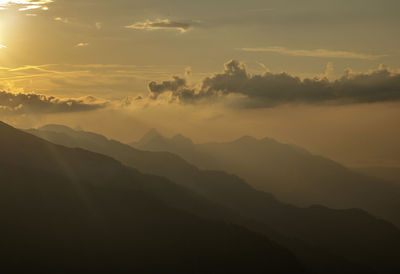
323 74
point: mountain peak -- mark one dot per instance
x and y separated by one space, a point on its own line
152 136
152 133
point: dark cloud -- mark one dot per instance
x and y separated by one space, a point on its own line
20 103
178 88
175 85
272 89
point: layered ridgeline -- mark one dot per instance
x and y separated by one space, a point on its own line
67 210
291 173
324 240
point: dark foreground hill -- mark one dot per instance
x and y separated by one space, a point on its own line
66 210
289 172
325 240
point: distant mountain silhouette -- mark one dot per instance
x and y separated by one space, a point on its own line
289 172
68 210
325 240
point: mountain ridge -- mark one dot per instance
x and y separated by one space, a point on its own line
291 173
314 225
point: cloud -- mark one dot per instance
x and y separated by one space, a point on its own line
329 70
176 86
62 20
82 44
237 87
321 53
2 46
161 24
30 7
14 104
26 4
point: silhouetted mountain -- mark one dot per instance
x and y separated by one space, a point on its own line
327 241
152 136
291 173
69 210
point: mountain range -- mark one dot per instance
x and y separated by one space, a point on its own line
289 172
68 210
323 240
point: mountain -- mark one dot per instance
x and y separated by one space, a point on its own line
325 240
390 174
67 210
289 172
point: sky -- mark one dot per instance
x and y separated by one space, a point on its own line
322 74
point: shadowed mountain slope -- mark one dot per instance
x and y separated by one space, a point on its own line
289 172
350 234
390 174
68 210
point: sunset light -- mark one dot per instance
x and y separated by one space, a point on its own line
200 136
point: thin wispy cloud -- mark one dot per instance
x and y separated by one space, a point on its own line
25 5
30 7
161 24
82 45
319 53
62 20
27 67
66 80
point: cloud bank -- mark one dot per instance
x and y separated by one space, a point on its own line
15 104
237 87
